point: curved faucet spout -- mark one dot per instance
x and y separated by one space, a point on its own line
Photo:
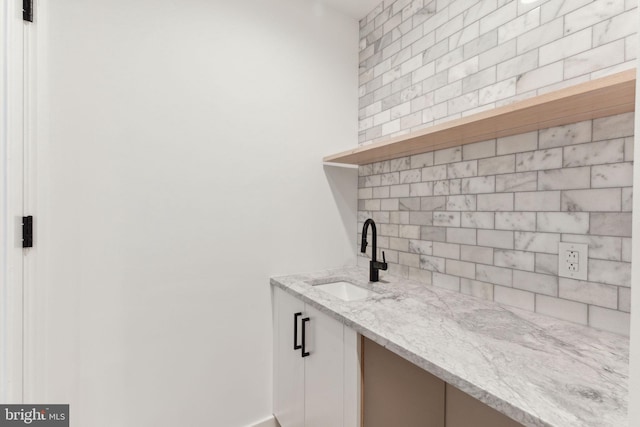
374 265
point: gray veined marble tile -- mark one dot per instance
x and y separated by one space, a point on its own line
612 175
540 36
419 161
562 309
535 282
520 221
446 219
365 193
448 155
409 204
389 204
611 224
421 189
627 199
522 181
482 184
591 14
514 297
461 203
609 320
546 263
559 136
462 169
564 179
617 126
410 176
615 28
446 250
420 218
446 281
495 202
483 43
498 17
399 190
518 143
398 217
588 292
434 173
441 188
563 222
594 153
478 220
497 275
566 47
519 25
537 242
600 247
502 90
495 239
461 268
479 79
461 235
479 150
518 65
539 160
477 289
594 59
409 260
389 230
519 260
435 234
432 263
436 203
624 299
455 186
610 272
601 200
399 244
380 192
497 165
476 254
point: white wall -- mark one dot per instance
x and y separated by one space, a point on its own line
179 167
634 358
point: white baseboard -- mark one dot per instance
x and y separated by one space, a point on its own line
268 422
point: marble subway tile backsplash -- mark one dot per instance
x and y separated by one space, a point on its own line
467 220
423 62
486 218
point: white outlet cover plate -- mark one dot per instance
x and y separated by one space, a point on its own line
583 260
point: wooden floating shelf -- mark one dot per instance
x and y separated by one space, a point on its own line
606 96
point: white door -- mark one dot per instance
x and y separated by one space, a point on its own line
289 363
324 371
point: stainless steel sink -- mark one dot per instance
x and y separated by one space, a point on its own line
345 291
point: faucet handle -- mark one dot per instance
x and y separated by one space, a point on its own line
384 261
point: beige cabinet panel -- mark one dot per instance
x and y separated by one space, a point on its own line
466 411
399 393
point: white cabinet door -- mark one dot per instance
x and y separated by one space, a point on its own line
288 363
324 370
321 389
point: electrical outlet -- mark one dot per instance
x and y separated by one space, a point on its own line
572 260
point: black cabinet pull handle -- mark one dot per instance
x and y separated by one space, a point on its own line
304 336
296 346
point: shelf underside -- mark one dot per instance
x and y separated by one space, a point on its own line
607 96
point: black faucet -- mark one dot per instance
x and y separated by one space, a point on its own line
374 266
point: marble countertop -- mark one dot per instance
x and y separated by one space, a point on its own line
537 370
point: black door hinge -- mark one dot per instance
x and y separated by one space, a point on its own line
27 231
27 10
